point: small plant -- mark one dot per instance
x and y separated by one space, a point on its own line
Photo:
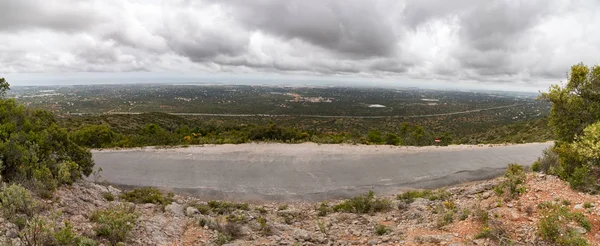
203 208
361 204
223 239
587 205
115 223
485 232
381 230
566 202
322 227
445 218
264 227
66 236
283 207
514 178
37 231
323 209
108 196
465 214
261 210
554 228
147 195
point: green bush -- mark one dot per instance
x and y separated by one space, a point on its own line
34 148
323 209
512 185
67 237
410 196
147 195
15 200
115 223
94 136
381 230
108 196
554 224
361 204
37 231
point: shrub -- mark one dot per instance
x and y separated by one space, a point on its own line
108 196
223 207
265 229
115 223
547 163
554 225
410 196
15 200
37 231
33 147
381 230
67 237
94 136
361 204
512 185
147 195
323 209
283 207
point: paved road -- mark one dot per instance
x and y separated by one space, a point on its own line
306 171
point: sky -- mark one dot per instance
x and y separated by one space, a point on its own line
522 45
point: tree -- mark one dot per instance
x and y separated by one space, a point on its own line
4 87
574 119
34 150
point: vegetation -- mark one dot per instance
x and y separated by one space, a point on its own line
115 223
35 151
147 195
221 207
434 195
512 185
555 224
362 204
574 120
381 230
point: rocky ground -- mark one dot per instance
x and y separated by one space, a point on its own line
187 221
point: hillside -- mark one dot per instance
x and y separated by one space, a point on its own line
460 215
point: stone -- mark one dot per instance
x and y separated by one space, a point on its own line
578 206
579 229
175 209
191 211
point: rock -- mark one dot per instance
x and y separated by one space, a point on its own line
420 204
479 188
479 241
578 206
373 242
191 211
175 209
300 234
579 229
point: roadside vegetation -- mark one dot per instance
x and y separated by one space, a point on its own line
574 120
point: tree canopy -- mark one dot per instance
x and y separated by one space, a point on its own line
34 150
575 120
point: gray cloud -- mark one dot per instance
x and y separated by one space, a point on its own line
497 40
66 15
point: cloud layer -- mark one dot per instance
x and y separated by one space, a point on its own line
521 41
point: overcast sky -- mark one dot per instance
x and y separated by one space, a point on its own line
497 44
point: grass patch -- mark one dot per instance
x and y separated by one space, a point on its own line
362 204
147 195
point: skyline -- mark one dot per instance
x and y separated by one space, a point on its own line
512 45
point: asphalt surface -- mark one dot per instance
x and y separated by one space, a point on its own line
305 171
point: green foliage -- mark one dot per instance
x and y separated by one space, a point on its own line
265 229
283 207
147 195
115 223
323 209
16 200
37 232
366 203
574 120
410 196
67 237
375 137
4 87
108 196
33 149
221 207
381 230
554 224
512 185
94 136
